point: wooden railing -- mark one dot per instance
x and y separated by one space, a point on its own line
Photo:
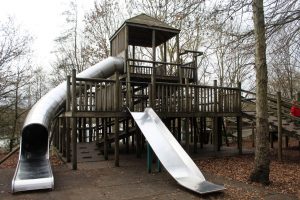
100 95
96 94
162 69
189 70
194 98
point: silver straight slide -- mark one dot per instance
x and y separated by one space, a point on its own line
33 171
170 153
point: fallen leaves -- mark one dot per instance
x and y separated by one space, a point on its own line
284 176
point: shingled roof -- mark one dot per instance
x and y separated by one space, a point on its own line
146 20
140 30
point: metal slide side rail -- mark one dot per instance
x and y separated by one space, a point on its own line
33 171
173 157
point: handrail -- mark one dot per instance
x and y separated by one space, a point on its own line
272 97
285 104
151 61
199 53
94 80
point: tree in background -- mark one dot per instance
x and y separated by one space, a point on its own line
261 169
14 67
99 25
70 47
185 15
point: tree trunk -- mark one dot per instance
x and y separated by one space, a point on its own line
261 169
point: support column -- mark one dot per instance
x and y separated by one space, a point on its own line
129 103
153 75
116 126
60 135
239 122
215 119
179 130
105 145
97 130
63 136
187 135
195 135
219 132
279 118
68 108
74 122
149 158
178 59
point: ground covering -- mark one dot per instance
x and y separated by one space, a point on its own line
233 172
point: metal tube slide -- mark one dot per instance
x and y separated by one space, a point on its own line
173 157
34 170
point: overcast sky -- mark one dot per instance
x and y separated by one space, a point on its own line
43 20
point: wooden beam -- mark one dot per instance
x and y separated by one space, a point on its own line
279 118
215 118
239 121
74 122
153 75
68 107
116 126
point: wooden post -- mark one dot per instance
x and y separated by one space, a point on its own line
298 99
179 130
129 104
74 120
91 138
165 52
239 121
59 135
126 125
68 108
63 136
97 130
178 59
187 135
253 133
153 75
215 118
219 132
138 143
149 158
195 70
239 135
105 145
279 118
133 54
187 95
271 139
195 131
117 108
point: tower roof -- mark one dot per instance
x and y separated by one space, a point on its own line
146 20
140 31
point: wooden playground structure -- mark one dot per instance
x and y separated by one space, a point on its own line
96 109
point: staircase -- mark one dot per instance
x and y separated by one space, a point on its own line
288 127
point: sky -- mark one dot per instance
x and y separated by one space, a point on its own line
43 20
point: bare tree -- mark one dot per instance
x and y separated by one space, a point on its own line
14 45
14 65
261 169
99 25
69 52
181 14
284 64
